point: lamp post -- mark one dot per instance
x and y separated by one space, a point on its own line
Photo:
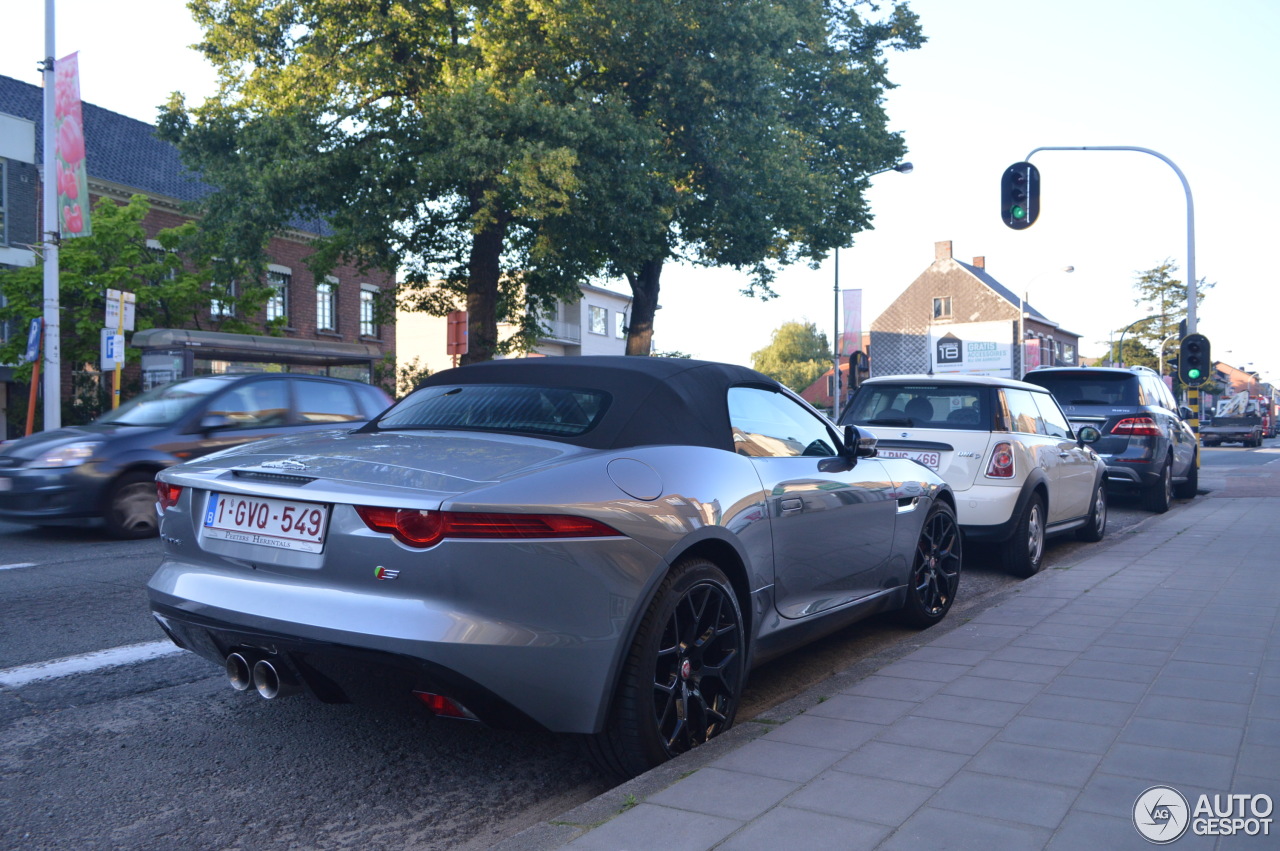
1164 343
900 168
1022 315
1120 353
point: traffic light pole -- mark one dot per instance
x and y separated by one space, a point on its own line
1193 393
1191 218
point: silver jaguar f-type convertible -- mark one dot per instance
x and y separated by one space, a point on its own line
595 545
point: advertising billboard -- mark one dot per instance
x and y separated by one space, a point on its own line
975 348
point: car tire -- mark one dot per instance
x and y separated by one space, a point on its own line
1023 554
935 571
131 507
1096 527
1157 497
682 678
1187 489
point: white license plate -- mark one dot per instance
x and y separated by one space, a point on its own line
929 459
278 523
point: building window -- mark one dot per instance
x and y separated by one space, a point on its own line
942 307
279 279
620 324
327 305
599 320
4 201
1068 353
368 310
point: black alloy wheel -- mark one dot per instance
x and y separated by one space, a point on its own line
683 677
935 573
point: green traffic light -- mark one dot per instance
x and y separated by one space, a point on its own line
1019 212
1193 373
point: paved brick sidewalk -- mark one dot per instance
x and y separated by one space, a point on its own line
1037 724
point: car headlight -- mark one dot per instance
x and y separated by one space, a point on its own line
70 455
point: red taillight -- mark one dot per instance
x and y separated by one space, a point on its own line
1144 426
438 704
167 494
418 528
1001 466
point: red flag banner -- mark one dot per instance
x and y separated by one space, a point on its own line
68 166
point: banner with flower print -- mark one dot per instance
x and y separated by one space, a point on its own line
68 166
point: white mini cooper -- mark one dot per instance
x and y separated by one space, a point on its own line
1018 470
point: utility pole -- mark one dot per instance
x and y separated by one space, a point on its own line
49 185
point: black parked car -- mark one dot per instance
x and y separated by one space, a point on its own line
1146 441
106 470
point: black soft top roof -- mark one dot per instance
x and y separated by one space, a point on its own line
653 400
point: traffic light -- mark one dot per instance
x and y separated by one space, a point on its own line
1020 195
1193 360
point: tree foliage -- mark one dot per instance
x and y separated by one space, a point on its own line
500 152
797 355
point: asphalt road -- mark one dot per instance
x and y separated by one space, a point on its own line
162 753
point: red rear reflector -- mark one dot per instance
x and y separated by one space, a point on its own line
418 528
1137 425
438 704
1001 466
167 494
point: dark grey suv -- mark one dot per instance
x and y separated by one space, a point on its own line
1146 440
107 469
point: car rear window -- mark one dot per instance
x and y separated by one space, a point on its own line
554 411
949 406
1089 389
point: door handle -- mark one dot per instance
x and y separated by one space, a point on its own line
791 505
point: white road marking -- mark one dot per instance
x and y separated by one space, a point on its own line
86 662
16 566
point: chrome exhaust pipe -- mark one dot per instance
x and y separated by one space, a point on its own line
240 672
270 682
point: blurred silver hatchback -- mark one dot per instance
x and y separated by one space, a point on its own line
602 546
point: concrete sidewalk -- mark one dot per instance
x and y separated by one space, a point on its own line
1036 724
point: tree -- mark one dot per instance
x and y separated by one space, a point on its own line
797 355
1165 298
170 292
500 152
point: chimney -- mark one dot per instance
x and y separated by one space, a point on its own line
942 250
980 262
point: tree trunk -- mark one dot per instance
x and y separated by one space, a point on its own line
644 304
484 268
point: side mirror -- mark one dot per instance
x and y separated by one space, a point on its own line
1088 434
1184 412
213 422
857 444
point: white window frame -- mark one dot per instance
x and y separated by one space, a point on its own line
369 310
278 303
604 320
327 303
942 307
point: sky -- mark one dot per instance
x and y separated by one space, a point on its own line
1194 81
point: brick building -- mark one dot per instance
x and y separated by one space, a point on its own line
332 326
954 309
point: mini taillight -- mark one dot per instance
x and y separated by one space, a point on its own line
1001 466
419 528
167 494
1137 426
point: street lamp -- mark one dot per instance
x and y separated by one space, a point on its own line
1022 316
1120 353
900 168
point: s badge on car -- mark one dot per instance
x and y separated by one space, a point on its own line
381 572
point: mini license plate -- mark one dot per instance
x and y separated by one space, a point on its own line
278 523
929 459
